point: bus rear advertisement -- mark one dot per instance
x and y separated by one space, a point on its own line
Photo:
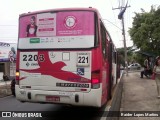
64 57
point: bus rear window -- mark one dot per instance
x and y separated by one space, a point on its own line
72 29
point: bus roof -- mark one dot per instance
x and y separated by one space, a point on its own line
61 9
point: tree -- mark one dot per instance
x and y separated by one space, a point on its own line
121 55
145 31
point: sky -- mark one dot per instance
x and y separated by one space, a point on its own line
10 10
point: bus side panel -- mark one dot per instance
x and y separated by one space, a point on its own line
96 61
100 69
93 98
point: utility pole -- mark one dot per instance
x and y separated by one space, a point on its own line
125 48
121 17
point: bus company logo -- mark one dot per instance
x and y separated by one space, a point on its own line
32 64
27 64
70 22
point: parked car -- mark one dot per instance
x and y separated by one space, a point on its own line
134 66
13 82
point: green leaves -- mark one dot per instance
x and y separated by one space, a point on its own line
145 31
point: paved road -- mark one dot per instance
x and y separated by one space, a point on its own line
11 104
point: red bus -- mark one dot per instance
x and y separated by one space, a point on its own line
65 56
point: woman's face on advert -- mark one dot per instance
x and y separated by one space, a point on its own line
32 21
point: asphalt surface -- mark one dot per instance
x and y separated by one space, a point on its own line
10 104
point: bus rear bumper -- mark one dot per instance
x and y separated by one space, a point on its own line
93 98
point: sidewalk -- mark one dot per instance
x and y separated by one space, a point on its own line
139 94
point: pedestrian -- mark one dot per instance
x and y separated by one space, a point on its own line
146 68
5 78
156 71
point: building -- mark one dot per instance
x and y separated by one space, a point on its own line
8 58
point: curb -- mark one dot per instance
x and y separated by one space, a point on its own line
116 100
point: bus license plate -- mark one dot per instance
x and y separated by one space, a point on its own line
53 98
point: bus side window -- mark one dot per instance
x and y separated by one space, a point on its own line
103 37
115 57
107 45
96 31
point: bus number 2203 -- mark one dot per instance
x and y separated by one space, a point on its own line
33 57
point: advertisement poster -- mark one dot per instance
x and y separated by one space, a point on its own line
7 51
75 23
46 23
73 29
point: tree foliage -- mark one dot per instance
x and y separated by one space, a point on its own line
145 31
121 55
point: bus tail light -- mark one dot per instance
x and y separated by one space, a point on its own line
95 80
17 77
